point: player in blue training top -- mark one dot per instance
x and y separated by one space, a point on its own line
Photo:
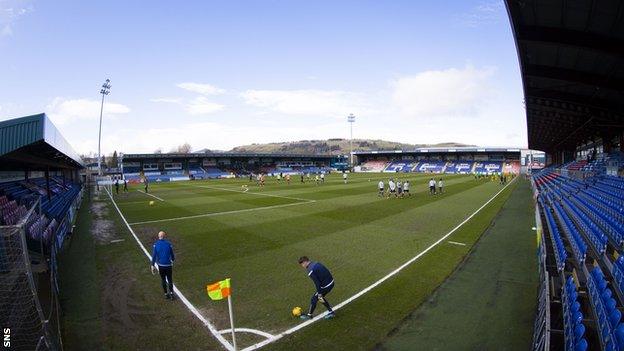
163 257
324 283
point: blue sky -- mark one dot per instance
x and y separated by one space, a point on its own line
218 74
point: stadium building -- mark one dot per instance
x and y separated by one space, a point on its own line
175 167
456 160
40 192
571 59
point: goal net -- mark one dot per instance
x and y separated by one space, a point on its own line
27 312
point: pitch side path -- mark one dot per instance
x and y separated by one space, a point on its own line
489 302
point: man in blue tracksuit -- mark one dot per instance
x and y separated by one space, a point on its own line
163 256
324 283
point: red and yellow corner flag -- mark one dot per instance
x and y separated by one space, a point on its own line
219 290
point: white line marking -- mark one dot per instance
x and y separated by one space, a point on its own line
117 241
131 203
456 243
148 194
182 298
246 330
251 193
375 284
224 213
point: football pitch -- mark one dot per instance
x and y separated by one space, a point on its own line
231 228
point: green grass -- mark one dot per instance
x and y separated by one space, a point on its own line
489 301
367 320
359 236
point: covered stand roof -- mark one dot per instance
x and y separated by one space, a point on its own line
445 150
34 143
223 155
572 62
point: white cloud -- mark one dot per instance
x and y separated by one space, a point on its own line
201 88
170 100
321 103
447 92
486 12
63 111
10 12
259 116
201 106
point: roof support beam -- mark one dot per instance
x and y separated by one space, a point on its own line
558 36
573 76
557 95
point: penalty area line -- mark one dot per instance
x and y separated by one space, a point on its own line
223 213
251 193
179 294
378 282
148 194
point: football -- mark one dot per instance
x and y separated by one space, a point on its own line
151 203
296 312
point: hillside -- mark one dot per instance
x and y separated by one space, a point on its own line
333 146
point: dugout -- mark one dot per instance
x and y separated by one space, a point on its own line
40 191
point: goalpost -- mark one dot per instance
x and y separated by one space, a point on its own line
104 183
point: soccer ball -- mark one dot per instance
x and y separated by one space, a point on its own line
296 312
151 203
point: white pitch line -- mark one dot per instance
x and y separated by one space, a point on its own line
223 213
148 194
375 284
251 193
456 243
179 294
247 330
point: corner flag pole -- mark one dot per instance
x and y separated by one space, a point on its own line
232 321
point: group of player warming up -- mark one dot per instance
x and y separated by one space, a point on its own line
395 188
401 189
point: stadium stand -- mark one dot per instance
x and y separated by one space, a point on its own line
576 165
40 191
430 167
585 217
488 167
403 166
176 167
458 160
210 173
461 167
373 166
572 318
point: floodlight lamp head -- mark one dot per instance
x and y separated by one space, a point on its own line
106 86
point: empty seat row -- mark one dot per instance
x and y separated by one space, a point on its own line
608 316
559 248
578 244
573 327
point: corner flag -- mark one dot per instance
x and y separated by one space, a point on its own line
219 290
